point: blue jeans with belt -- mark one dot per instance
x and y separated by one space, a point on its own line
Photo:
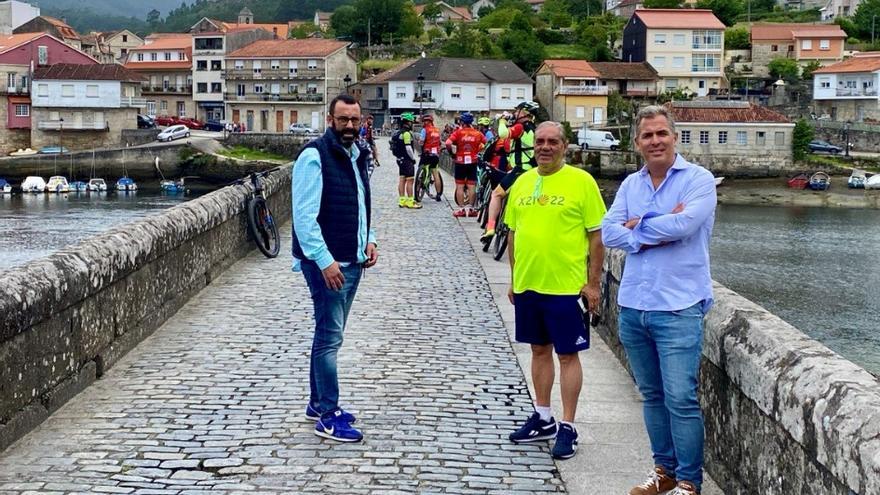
664 349
331 314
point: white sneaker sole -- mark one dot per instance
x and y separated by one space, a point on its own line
337 439
536 439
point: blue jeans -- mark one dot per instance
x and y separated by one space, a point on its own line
331 314
664 349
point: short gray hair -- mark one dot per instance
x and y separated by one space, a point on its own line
652 111
556 125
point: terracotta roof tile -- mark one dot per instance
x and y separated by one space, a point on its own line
790 31
571 68
63 28
180 41
855 64
723 112
633 71
96 72
289 48
10 41
147 66
279 29
679 19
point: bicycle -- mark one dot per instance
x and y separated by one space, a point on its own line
499 242
424 183
261 224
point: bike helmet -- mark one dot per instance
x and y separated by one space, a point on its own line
529 106
466 118
484 121
407 117
427 118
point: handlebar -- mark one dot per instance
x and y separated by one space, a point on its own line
254 175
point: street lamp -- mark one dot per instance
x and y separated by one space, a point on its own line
421 80
61 134
347 81
846 136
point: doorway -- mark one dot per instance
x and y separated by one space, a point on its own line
279 120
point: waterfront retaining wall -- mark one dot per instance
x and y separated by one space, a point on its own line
281 144
65 319
784 414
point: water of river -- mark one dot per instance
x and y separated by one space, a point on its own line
813 267
35 225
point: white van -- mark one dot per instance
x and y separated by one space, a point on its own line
597 140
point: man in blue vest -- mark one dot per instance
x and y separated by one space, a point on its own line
332 244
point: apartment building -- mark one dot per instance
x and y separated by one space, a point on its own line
848 90
166 64
572 92
803 43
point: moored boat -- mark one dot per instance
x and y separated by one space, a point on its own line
799 181
97 185
718 181
820 181
57 184
856 179
33 184
873 182
79 186
173 186
126 184
5 187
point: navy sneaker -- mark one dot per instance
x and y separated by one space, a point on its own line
534 430
333 426
313 415
566 442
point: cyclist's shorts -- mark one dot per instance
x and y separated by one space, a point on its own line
495 176
406 167
543 319
431 160
465 173
510 178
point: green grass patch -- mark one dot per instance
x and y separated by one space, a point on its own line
380 64
245 153
577 52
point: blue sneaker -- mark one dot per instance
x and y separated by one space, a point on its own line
534 430
313 415
566 442
333 426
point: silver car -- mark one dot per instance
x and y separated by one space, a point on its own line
173 132
296 128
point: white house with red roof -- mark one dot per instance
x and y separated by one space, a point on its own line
166 64
848 90
684 46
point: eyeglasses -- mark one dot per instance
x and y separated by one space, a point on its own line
347 120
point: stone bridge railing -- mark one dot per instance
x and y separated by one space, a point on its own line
784 414
66 318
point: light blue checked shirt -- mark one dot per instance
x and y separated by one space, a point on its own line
306 188
667 262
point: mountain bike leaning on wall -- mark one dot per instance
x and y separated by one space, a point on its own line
261 224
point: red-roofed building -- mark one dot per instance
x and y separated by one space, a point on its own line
684 46
53 26
726 136
20 54
274 83
848 90
572 92
166 64
800 42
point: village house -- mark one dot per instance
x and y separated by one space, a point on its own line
53 26
115 43
322 20
14 13
84 106
20 54
448 86
848 90
800 42
166 65
274 83
838 8
631 79
447 13
372 93
684 46
572 92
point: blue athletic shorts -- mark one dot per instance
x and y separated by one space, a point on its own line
543 319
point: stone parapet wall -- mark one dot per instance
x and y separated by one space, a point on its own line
278 143
67 318
784 414
861 140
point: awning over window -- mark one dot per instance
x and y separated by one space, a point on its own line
20 99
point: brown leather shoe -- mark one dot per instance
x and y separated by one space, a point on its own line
658 482
685 488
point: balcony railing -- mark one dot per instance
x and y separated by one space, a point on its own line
856 92
56 125
282 73
295 98
132 102
582 90
639 92
377 104
16 90
169 89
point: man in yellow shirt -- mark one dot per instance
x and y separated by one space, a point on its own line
554 212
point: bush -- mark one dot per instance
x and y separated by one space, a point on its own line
552 37
569 134
800 141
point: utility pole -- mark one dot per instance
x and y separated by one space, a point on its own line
369 48
873 18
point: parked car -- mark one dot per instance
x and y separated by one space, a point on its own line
165 120
174 132
190 122
215 125
296 128
597 140
818 146
53 150
145 122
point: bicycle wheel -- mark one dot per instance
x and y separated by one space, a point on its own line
501 231
419 186
262 227
485 200
432 186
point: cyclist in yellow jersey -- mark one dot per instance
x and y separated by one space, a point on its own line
554 212
521 158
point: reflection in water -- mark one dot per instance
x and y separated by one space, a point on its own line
813 267
35 225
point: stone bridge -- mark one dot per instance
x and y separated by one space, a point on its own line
168 357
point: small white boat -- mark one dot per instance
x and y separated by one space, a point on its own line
5 187
126 184
57 184
856 179
718 181
23 152
873 182
97 185
33 184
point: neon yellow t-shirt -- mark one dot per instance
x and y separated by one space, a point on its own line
551 216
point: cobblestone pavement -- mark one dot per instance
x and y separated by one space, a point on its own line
213 401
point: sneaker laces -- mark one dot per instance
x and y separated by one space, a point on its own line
653 481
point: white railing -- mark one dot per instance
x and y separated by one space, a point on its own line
132 102
56 125
582 90
856 92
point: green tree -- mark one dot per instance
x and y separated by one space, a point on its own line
556 13
499 18
864 19
484 11
344 21
467 42
725 10
304 30
385 18
663 4
580 9
800 140
807 71
599 35
523 48
153 18
737 38
785 69
519 5
431 11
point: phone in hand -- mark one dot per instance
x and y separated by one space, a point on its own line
590 319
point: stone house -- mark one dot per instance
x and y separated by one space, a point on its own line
684 46
803 43
838 8
84 106
274 83
447 13
53 26
732 137
372 93
20 54
166 63
630 79
572 92
118 43
848 90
